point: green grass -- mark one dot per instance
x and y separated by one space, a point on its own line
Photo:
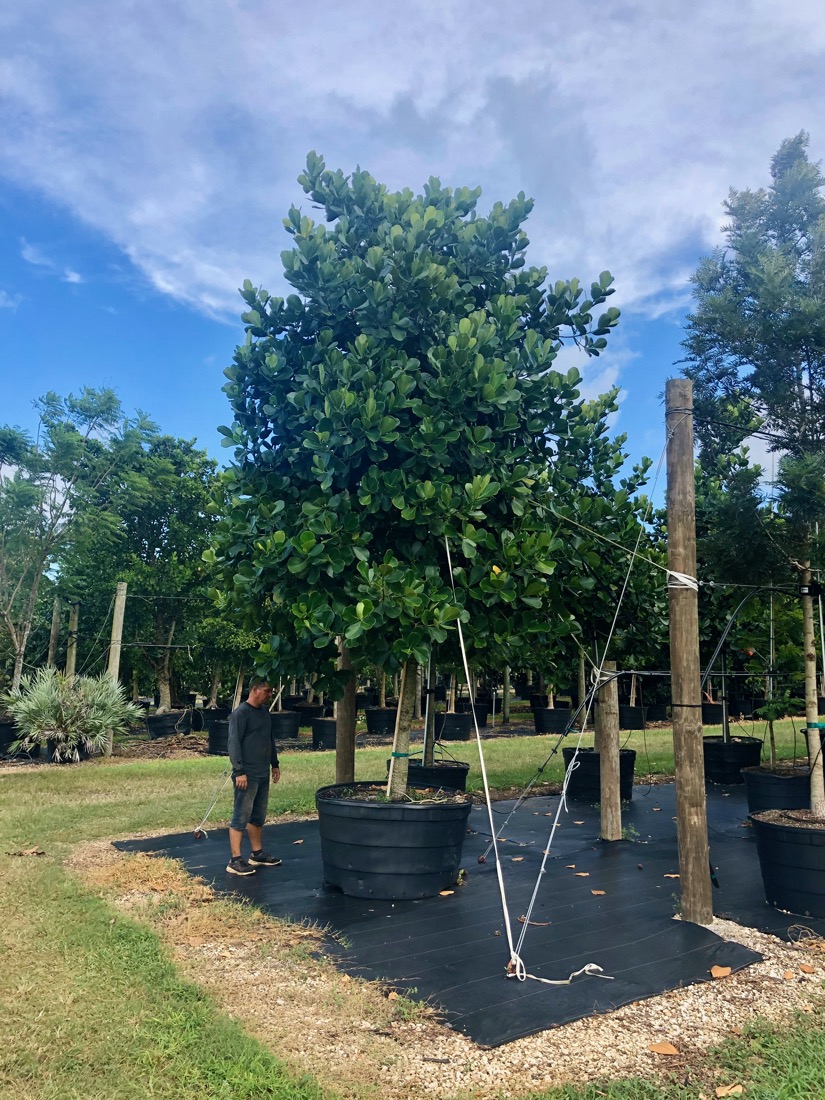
92 1006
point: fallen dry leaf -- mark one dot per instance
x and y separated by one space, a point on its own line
516 859
598 893
28 852
445 893
578 822
670 876
392 995
582 874
806 968
657 809
570 866
729 1090
663 1048
297 842
720 971
532 923
789 975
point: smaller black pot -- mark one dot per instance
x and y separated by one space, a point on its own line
167 725
211 717
482 711
631 718
218 739
381 721
324 733
285 724
310 711
538 700
768 790
551 719
364 699
453 727
585 779
724 761
656 712
443 773
711 714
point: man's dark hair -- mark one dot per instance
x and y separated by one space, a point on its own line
258 681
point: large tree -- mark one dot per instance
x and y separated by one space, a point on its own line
404 401
755 348
53 487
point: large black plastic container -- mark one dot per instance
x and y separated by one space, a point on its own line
167 725
443 773
551 719
453 727
585 779
390 850
381 721
538 700
218 738
285 724
724 761
364 699
770 791
324 733
210 717
792 861
631 718
482 712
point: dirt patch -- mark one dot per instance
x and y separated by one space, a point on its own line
361 1039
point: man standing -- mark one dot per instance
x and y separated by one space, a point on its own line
252 753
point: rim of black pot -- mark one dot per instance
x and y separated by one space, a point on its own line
326 794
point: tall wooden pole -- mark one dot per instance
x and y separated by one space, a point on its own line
71 645
607 732
691 806
54 634
346 714
117 631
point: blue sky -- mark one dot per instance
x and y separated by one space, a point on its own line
149 152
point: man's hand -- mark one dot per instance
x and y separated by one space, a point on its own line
276 774
240 782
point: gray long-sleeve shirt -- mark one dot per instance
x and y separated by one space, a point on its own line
252 748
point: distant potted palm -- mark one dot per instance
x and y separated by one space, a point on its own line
71 717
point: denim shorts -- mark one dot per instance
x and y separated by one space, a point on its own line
251 804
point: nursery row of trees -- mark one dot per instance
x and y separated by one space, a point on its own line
403 404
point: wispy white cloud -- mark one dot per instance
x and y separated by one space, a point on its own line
178 133
38 258
9 301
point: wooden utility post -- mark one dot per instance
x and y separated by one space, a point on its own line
607 735
71 644
54 634
117 631
691 806
346 713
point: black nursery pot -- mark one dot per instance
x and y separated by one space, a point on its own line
712 714
551 719
167 725
631 718
656 712
792 861
390 850
585 779
442 773
538 700
381 721
210 718
482 711
768 790
453 727
218 738
724 761
324 733
285 724
309 711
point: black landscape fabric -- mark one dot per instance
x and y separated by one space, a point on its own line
608 904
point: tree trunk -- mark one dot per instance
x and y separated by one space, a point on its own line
607 733
582 686
633 689
400 760
382 689
453 692
215 686
811 709
164 675
505 698
345 719
428 756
